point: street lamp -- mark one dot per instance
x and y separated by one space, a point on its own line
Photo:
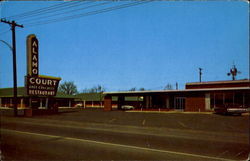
14 77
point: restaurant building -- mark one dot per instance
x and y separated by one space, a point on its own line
27 101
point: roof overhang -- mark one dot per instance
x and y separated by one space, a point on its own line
175 91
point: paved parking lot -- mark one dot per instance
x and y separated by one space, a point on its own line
93 134
178 120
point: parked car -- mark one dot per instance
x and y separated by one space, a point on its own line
127 107
230 109
79 105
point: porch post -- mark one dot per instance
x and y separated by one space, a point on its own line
207 101
41 102
47 103
21 102
69 103
223 98
243 101
30 103
214 100
120 102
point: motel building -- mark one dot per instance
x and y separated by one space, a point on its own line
198 96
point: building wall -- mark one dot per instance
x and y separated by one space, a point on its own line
108 103
195 103
226 84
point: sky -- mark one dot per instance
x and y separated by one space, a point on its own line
144 46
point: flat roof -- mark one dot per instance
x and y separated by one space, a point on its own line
21 92
177 91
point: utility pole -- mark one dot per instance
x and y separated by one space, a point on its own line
13 25
200 73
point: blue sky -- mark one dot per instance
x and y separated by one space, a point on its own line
148 45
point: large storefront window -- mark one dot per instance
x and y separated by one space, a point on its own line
179 103
233 98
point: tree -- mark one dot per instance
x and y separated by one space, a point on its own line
95 89
68 88
168 87
100 89
142 89
133 89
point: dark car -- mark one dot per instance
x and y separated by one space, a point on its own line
230 109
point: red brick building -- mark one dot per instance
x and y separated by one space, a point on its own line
201 96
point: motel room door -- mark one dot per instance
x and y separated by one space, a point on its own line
179 103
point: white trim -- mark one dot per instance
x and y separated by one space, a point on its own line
175 91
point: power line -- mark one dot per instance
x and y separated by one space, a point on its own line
55 10
42 10
53 15
4 32
87 13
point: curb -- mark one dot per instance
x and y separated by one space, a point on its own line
170 112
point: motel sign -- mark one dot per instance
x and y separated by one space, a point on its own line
38 85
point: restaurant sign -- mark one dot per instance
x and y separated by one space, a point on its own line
42 85
32 55
38 85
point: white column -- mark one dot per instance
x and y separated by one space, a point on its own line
69 103
21 102
207 101
10 101
47 103
41 102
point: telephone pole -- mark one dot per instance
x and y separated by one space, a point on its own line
13 25
200 73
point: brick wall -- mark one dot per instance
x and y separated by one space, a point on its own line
222 84
195 103
108 103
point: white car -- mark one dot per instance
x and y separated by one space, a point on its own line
127 107
79 105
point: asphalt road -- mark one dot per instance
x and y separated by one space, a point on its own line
118 135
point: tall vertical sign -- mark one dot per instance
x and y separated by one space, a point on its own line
36 84
32 56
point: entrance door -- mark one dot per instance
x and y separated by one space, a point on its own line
179 103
